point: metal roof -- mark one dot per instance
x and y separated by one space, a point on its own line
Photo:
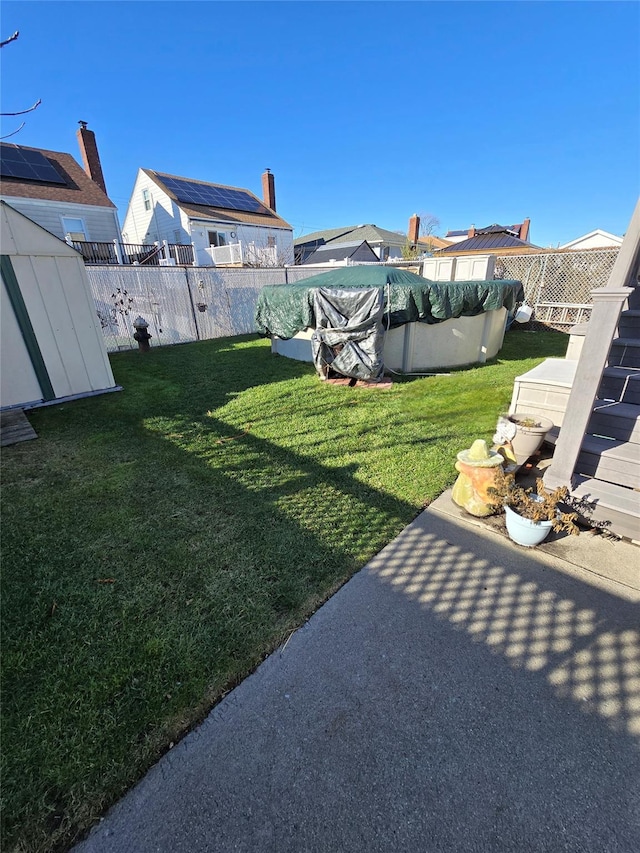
491 240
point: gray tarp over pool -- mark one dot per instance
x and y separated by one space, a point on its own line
286 309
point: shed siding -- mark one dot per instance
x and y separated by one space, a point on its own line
100 222
55 290
18 381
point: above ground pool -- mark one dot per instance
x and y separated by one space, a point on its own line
427 325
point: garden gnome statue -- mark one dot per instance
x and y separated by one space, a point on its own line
477 468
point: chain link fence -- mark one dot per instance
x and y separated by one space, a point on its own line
558 285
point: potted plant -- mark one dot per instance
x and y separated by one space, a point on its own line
530 513
524 433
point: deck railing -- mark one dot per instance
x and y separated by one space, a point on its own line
95 252
142 254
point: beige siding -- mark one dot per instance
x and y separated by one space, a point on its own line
55 289
64 323
99 222
18 382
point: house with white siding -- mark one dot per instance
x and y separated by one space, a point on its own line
54 191
597 239
225 225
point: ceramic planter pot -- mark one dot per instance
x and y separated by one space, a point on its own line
528 439
525 532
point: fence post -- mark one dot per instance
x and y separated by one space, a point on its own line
116 246
193 307
541 288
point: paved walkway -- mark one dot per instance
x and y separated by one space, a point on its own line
460 693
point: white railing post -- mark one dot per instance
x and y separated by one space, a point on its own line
165 250
194 251
116 246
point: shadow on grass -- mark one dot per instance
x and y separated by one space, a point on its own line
154 562
486 700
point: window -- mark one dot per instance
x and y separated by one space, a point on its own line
74 228
176 237
271 241
146 199
217 238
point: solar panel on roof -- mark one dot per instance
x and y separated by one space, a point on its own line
225 197
16 162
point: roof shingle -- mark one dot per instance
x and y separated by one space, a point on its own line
79 188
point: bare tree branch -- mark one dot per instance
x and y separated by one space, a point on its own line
22 112
10 39
13 133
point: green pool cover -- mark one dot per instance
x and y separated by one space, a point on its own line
286 309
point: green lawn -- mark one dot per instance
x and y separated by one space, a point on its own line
157 543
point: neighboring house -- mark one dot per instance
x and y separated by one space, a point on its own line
385 244
226 225
335 252
432 243
494 239
597 239
53 190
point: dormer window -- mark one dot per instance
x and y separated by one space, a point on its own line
146 198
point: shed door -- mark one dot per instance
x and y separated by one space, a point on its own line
18 380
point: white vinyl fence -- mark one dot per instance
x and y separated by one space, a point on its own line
180 304
196 303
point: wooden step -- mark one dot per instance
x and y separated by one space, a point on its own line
609 460
15 427
620 384
616 420
633 300
625 352
629 324
611 503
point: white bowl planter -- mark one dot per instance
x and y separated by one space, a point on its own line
525 532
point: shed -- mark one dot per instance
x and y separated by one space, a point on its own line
52 347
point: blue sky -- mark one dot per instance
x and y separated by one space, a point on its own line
366 112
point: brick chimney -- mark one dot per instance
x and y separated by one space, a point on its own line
269 189
472 232
90 156
524 230
414 229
